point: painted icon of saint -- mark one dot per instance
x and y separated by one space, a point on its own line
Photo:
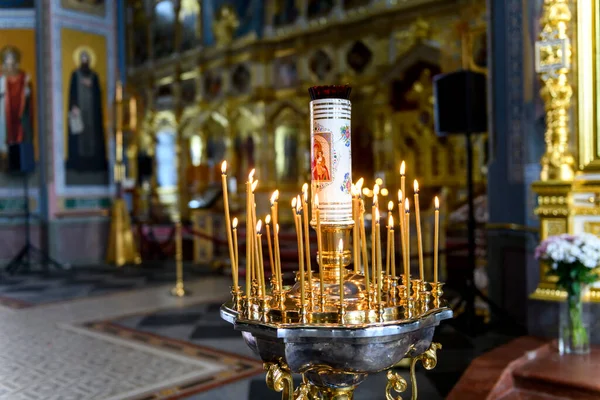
320 171
16 106
86 142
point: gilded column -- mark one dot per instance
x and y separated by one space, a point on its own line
553 63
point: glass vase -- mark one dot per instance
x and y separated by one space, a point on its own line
574 323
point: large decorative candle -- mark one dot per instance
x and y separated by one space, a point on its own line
331 159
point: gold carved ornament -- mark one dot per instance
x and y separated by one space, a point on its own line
553 59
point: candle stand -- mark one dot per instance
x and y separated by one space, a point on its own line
350 317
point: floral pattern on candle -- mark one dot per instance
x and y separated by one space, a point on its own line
347 185
345 131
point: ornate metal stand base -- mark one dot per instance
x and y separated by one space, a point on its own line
179 291
279 379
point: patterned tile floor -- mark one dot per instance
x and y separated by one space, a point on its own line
25 290
144 344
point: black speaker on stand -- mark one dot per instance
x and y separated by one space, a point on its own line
461 108
21 161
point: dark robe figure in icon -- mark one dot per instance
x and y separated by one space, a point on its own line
86 141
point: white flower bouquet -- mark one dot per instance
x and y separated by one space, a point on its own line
572 260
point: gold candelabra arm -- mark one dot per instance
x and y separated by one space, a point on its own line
279 379
395 383
429 361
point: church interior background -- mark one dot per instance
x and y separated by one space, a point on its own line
126 110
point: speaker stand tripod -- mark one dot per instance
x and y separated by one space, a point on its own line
24 258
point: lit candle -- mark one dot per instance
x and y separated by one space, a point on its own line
407 244
275 217
307 236
260 264
319 251
401 223
341 258
235 246
363 241
393 251
355 246
249 235
256 272
436 235
298 223
378 252
228 223
357 260
363 238
271 260
419 237
373 237
388 251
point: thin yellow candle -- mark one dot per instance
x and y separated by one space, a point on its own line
235 246
407 244
419 237
388 251
355 245
300 255
393 251
306 234
228 223
436 238
257 274
249 236
357 260
403 177
275 217
378 252
363 237
341 258
373 246
260 263
319 250
401 222
271 260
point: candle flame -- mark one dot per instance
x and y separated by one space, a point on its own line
416 186
305 187
251 175
406 205
317 200
258 226
268 219
377 216
341 246
254 185
360 183
298 204
391 221
390 205
403 168
376 189
274 197
384 192
294 202
224 167
235 223
379 181
399 195
437 203
353 190
375 200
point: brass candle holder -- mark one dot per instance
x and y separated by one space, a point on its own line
336 325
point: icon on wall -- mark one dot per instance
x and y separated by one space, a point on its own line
86 144
16 105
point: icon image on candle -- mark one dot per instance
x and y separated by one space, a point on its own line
321 162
